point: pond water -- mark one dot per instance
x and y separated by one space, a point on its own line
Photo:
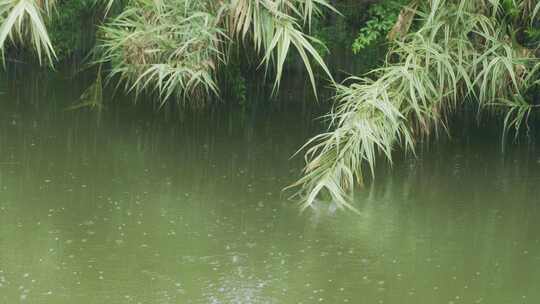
133 206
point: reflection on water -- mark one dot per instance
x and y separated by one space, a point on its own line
157 208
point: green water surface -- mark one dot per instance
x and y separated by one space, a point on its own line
134 206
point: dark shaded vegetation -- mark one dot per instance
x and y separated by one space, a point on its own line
427 61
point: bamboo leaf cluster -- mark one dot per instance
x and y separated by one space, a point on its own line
459 51
176 46
23 21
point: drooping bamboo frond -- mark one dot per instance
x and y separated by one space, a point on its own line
172 47
108 5
536 11
175 46
182 42
365 121
23 22
517 111
456 53
501 67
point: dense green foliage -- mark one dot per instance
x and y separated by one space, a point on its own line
382 18
460 51
69 27
442 54
23 21
174 47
